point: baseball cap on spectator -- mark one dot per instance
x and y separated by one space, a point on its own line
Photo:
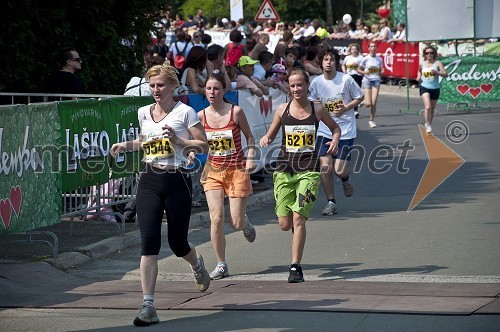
246 60
278 68
307 20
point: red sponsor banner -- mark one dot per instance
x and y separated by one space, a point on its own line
394 58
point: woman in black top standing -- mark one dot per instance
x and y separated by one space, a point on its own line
296 179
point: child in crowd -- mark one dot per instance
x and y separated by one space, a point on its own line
279 73
279 77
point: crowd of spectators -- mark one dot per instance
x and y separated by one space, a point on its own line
246 61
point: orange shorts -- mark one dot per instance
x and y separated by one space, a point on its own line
235 181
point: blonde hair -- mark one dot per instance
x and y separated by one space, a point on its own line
167 71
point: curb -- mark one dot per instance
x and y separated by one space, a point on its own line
67 260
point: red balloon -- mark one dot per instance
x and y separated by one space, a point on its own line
383 12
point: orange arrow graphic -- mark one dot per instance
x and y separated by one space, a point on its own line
443 162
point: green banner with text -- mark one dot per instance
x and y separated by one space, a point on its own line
85 143
471 79
30 181
125 127
88 130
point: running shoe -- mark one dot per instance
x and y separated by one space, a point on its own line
201 276
356 114
348 188
296 274
147 315
372 124
220 271
330 209
249 230
428 128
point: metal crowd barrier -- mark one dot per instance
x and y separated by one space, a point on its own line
98 204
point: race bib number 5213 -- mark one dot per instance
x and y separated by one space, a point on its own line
300 138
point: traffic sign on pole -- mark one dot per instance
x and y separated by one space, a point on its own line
267 12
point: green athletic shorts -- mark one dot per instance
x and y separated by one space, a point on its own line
295 192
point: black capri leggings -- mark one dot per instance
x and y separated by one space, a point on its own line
160 191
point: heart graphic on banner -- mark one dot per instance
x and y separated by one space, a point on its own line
5 212
462 89
16 198
474 92
487 87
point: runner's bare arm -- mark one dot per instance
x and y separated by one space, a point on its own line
269 137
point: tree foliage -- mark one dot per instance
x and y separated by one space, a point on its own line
34 31
287 10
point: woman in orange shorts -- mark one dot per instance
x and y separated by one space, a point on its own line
227 170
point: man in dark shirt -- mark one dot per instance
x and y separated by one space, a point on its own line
189 23
65 80
160 48
200 17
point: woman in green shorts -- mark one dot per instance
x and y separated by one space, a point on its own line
296 179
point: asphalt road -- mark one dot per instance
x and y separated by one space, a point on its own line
452 236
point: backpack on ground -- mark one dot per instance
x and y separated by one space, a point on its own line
234 54
180 59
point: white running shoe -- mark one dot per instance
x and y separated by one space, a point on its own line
356 114
220 271
428 128
372 124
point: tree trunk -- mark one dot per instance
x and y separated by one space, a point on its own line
329 12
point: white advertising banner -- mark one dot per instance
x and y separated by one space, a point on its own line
236 10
